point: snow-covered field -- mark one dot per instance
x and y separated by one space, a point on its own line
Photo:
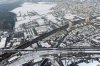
23 13
34 11
41 8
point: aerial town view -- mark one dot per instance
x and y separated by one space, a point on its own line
49 32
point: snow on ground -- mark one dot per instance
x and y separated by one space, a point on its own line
23 12
95 63
52 18
41 8
26 19
38 59
21 22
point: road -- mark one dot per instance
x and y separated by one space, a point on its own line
27 44
39 54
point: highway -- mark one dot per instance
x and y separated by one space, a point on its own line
43 36
40 54
85 48
27 44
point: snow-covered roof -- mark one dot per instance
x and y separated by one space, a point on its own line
51 17
42 29
97 39
40 21
69 16
2 43
13 58
27 19
44 44
37 60
98 18
21 22
73 17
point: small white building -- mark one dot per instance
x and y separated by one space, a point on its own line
98 18
2 43
43 29
40 22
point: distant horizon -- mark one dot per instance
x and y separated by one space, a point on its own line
11 1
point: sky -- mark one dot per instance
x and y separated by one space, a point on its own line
7 1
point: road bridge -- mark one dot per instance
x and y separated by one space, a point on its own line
58 53
27 44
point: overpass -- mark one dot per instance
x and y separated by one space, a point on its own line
58 53
27 44
43 36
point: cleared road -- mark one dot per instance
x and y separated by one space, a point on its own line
39 54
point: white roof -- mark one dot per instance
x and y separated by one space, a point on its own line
69 16
2 43
98 18
37 60
13 58
42 29
40 21
52 18
21 22
45 44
